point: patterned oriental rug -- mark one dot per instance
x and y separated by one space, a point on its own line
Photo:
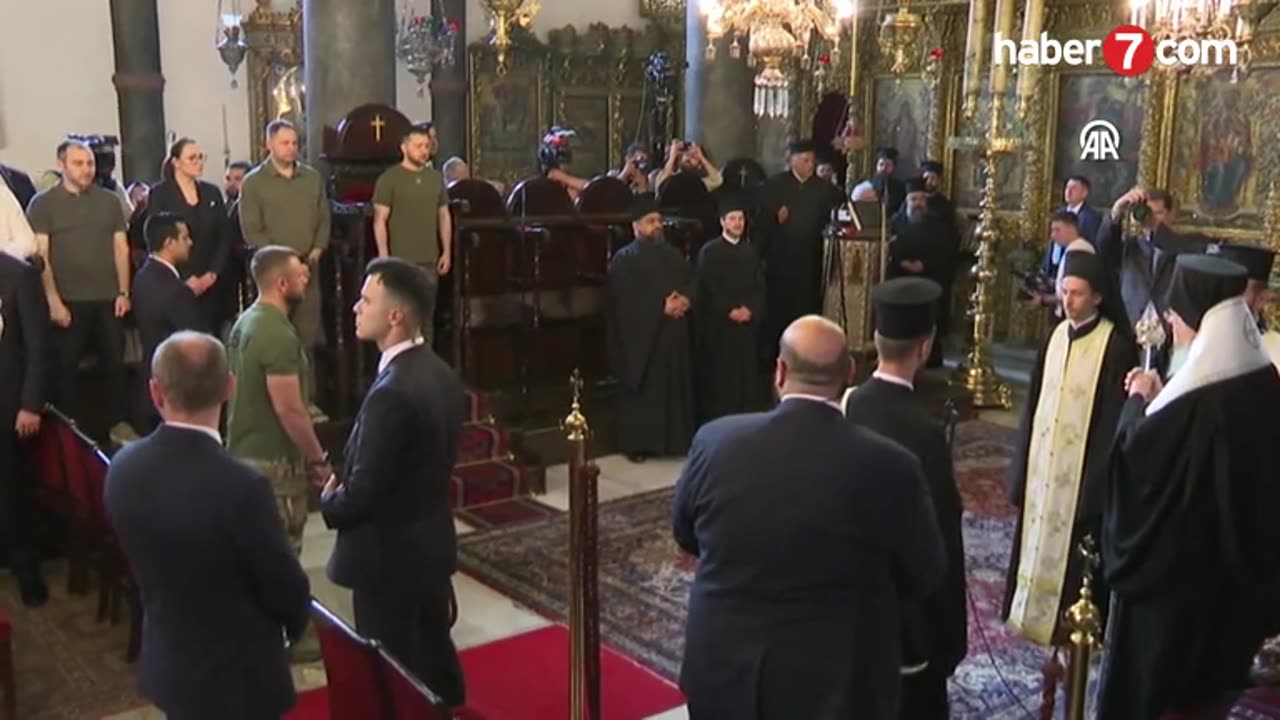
644 579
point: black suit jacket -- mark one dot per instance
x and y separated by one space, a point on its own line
25 316
810 533
220 585
162 305
392 511
936 628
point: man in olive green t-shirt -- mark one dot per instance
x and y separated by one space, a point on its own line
268 424
411 217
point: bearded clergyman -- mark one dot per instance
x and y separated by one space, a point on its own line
1059 469
924 245
1190 542
1257 262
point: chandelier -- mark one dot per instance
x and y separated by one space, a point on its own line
425 42
1211 25
506 18
230 39
778 31
899 33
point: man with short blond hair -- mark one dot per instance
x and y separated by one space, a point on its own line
268 423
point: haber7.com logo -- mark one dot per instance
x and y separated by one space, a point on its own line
1099 140
1128 50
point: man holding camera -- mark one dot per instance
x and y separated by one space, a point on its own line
635 169
687 157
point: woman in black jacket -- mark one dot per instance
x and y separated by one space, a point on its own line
200 204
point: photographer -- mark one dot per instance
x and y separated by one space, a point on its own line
554 157
687 157
1143 264
1041 290
635 169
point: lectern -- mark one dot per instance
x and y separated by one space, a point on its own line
853 259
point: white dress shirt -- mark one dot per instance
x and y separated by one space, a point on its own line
390 353
16 237
217 436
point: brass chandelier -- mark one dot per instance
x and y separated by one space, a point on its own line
777 32
1212 25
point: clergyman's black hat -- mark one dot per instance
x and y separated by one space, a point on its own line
642 205
931 166
1202 281
1256 261
887 153
906 307
916 185
801 146
1088 267
731 202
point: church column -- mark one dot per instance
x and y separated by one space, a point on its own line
718 113
135 31
449 91
349 60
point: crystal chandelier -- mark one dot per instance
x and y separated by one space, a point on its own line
1210 24
230 40
425 42
778 31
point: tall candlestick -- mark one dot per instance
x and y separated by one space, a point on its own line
226 140
1032 23
975 52
1004 30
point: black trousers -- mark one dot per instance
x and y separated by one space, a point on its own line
413 624
924 696
94 325
17 508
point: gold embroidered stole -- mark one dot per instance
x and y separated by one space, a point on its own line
1055 465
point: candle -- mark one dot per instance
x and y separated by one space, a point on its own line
226 138
1032 23
975 48
1004 28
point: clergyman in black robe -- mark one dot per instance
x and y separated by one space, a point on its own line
934 628
1066 431
794 207
923 245
730 296
649 292
1190 542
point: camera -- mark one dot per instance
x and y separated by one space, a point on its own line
659 68
1035 284
1140 211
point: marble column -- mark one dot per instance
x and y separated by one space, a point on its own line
717 111
135 31
349 59
449 91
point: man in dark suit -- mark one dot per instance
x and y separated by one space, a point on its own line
810 534
221 588
934 630
162 303
396 545
1075 200
24 327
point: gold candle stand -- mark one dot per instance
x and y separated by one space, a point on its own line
584 603
1085 623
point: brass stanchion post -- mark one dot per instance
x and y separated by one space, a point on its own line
1085 622
584 608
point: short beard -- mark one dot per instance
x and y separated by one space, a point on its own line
915 216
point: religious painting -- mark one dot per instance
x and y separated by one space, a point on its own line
507 120
1083 98
970 174
902 120
1221 162
586 112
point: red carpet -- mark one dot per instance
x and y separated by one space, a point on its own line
312 705
526 678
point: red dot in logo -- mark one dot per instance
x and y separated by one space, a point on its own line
1128 50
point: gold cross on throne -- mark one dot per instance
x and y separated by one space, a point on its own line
377 123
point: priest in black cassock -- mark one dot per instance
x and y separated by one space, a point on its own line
730 294
649 291
794 207
1190 542
923 245
934 628
1058 475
